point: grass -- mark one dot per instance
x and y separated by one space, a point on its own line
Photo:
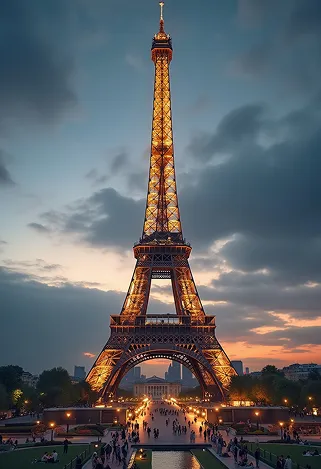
144 463
22 459
16 429
207 459
295 452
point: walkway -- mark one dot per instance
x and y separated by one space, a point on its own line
166 435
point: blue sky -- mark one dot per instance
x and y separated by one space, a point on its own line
75 128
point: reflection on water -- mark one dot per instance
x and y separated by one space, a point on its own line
174 460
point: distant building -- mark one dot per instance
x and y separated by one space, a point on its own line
238 366
29 379
134 374
157 388
188 380
79 373
300 371
137 372
174 372
247 370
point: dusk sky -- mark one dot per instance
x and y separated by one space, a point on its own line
76 91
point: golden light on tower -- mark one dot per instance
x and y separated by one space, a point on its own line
162 253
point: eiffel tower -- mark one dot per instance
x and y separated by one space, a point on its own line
162 253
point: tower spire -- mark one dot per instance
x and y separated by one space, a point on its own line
161 4
161 20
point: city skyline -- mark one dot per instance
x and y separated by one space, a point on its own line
74 162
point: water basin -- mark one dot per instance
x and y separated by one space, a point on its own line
174 460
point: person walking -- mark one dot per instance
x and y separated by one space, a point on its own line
78 463
257 455
235 453
288 463
66 443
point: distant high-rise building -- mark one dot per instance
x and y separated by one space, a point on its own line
247 370
238 366
188 379
132 376
173 373
137 373
79 372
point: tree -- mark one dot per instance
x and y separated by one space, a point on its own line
241 388
55 387
271 370
10 377
83 394
311 390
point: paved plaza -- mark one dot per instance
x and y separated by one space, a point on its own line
166 434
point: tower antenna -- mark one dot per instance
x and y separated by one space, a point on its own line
161 4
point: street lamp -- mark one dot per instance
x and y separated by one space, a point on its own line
285 401
52 426
257 419
68 415
220 420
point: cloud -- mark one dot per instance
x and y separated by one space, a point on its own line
36 77
39 264
65 319
263 197
5 176
101 220
89 354
119 162
39 228
251 13
134 61
289 60
238 127
116 165
96 178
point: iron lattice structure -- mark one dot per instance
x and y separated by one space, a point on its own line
162 253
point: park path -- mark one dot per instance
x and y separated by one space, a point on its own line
166 435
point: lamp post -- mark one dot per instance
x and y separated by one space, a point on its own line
285 401
281 428
52 426
68 415
257 419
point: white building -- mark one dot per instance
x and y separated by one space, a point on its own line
157 388
29 379
300 371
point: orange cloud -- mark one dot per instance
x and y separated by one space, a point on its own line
90 355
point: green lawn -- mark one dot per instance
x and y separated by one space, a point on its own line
144 463
295 451
23 459
207 459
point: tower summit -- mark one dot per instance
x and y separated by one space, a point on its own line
187 337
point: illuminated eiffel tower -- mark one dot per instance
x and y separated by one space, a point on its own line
162 253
